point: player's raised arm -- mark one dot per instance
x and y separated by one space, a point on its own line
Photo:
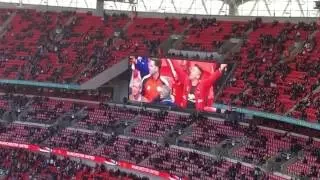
173 71
215 75
176 70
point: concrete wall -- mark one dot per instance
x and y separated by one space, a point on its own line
106 75
120 90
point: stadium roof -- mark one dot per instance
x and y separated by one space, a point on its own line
287 8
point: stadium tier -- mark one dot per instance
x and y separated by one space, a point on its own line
63 48
21 164
142 137
267 77
276 69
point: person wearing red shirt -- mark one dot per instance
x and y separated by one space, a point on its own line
153 82
195 88
177 85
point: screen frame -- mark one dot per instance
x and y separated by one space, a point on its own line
219 85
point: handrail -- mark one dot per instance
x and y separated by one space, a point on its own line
277 117
40 84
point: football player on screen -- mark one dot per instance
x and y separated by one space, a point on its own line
195 88
153 82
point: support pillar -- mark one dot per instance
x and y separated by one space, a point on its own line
100 8
233 9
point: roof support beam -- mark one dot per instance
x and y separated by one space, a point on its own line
285 9
300 7
221 8
85 1
144 5
160 6
204 6
267 6
190 7
254 6
174 5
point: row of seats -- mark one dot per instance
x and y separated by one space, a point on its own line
208 133
61 47
260 144
20 133
52 46
308 164
154 125
85 142
205 133
176 161
21 164
256 145
209 34
193 165
23 45
267 78
47 110
99 117
131 150
308 62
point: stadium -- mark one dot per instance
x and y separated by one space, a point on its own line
159 89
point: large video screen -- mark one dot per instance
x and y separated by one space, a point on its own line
174 82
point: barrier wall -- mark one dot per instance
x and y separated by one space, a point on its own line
277 117
40 84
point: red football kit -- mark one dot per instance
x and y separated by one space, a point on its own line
151 87
202 95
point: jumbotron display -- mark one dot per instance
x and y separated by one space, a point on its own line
174 82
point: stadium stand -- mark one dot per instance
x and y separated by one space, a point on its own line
48 46
21 164
20 133
58 57
87 48
264 144
276 71
207 133
132 150
23 46
209 34
47 112
261 144
197 166
308 109
100 117
156 124
74 140
146 34
266 78
308 164
54 50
